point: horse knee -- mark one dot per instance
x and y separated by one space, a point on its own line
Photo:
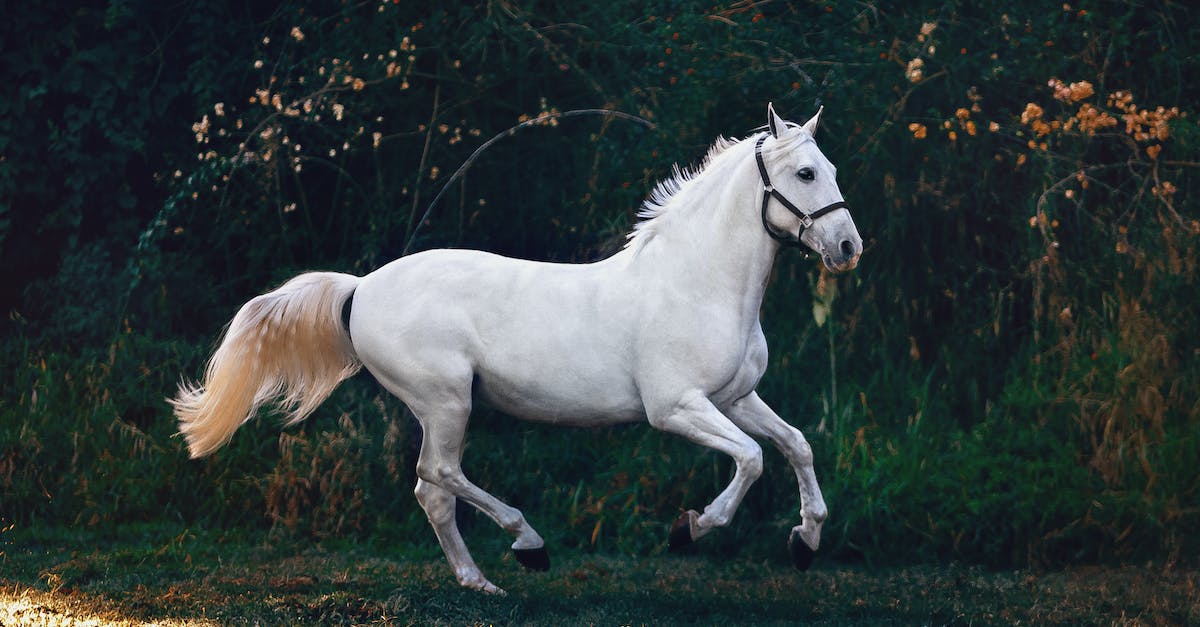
751 461
804 453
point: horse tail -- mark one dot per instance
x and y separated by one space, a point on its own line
290 344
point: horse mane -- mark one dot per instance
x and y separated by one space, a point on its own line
659 200
658 203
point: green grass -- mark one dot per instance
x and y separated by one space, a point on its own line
173 576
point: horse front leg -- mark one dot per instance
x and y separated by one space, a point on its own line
697 419
753 416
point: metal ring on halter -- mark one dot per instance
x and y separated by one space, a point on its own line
769 191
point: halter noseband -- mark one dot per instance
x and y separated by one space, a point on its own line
769 191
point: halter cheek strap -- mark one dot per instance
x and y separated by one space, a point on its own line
769 192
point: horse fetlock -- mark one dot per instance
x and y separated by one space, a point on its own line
816 514
472 578
710 520
528 540
681 531
808 532
484 586
513 521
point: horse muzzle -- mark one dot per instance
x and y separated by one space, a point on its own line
844 257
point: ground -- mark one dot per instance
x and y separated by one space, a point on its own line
180 577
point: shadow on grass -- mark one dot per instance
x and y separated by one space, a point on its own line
175 577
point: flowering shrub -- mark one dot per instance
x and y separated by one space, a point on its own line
1100 177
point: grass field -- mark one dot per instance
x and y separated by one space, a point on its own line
176 577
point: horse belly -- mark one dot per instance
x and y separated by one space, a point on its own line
554 374
566 402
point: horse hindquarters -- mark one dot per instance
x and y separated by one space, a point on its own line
416 326
288 344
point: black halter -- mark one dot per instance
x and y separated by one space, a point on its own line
769 191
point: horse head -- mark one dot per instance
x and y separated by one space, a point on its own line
802 203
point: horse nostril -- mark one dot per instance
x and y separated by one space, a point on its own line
847 249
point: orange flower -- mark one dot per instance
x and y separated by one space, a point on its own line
1071 93
1164 189
914 71
1031 112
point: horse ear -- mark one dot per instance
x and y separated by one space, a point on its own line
811 125
774 122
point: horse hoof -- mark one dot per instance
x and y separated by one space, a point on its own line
681 531
533 559
802 556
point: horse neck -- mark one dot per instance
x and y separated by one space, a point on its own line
713 241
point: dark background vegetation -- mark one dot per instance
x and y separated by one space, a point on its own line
1009 377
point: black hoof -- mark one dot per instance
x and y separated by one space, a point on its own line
681 532
802 556
533 559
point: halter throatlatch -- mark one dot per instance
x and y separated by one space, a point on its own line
769 191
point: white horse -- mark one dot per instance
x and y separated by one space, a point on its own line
665 331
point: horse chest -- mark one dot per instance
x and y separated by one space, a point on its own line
724 362
745 377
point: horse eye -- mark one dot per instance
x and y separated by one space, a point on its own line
806 174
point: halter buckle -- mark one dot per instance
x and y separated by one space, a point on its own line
806 221
768 188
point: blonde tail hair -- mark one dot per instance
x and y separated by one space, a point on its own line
287 344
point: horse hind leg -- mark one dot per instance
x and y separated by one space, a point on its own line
440 465
439 508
